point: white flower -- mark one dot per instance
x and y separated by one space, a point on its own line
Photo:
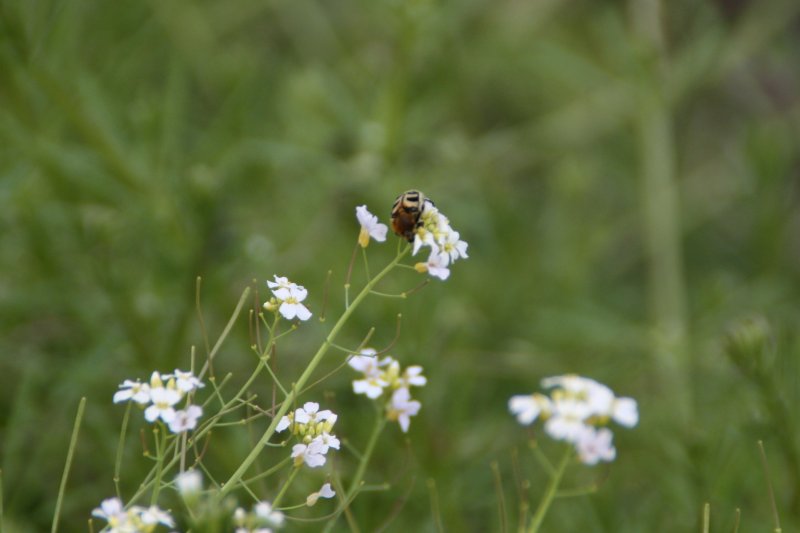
264 511
577 411
452 246
597 397
412 377
291 307
284 423
328 441
261 520
625 412
310 414
600 399
189 483
433 230
436 265
133 390
372 387
370 227
187 381
368 362
131 520
311 454
309 422
280 286
375 373
112 511
568 419
290 295
444 242
402 408
325 492
594 445
163 399
185 419
239 517
423 237
298 292
153 515
528 407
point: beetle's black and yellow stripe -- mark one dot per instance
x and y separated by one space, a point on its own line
407 209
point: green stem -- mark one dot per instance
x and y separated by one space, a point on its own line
269 471
362 465
199 434
358 478
121 449
661 212
73 441
225 332
1 502
550 492
160 432
776 519
306 375
286 486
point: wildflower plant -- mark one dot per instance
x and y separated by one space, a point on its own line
577 411
383 380
160 397
299 439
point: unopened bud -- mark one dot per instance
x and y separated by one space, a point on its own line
748 343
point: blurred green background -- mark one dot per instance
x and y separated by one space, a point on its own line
626 174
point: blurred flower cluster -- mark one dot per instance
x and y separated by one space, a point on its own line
382 375
262 519
313 427
135 519
161 395
207 513
578 411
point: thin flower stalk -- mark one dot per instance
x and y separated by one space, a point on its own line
209 425
306 375
550 492
358 477
286 486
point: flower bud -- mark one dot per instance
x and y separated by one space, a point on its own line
749 343
271 305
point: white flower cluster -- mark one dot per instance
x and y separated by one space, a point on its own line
287 298
434 231
161 398
577 411
135 519
313 427
262 519
385 374
445 243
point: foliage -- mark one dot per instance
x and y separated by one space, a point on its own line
627 181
